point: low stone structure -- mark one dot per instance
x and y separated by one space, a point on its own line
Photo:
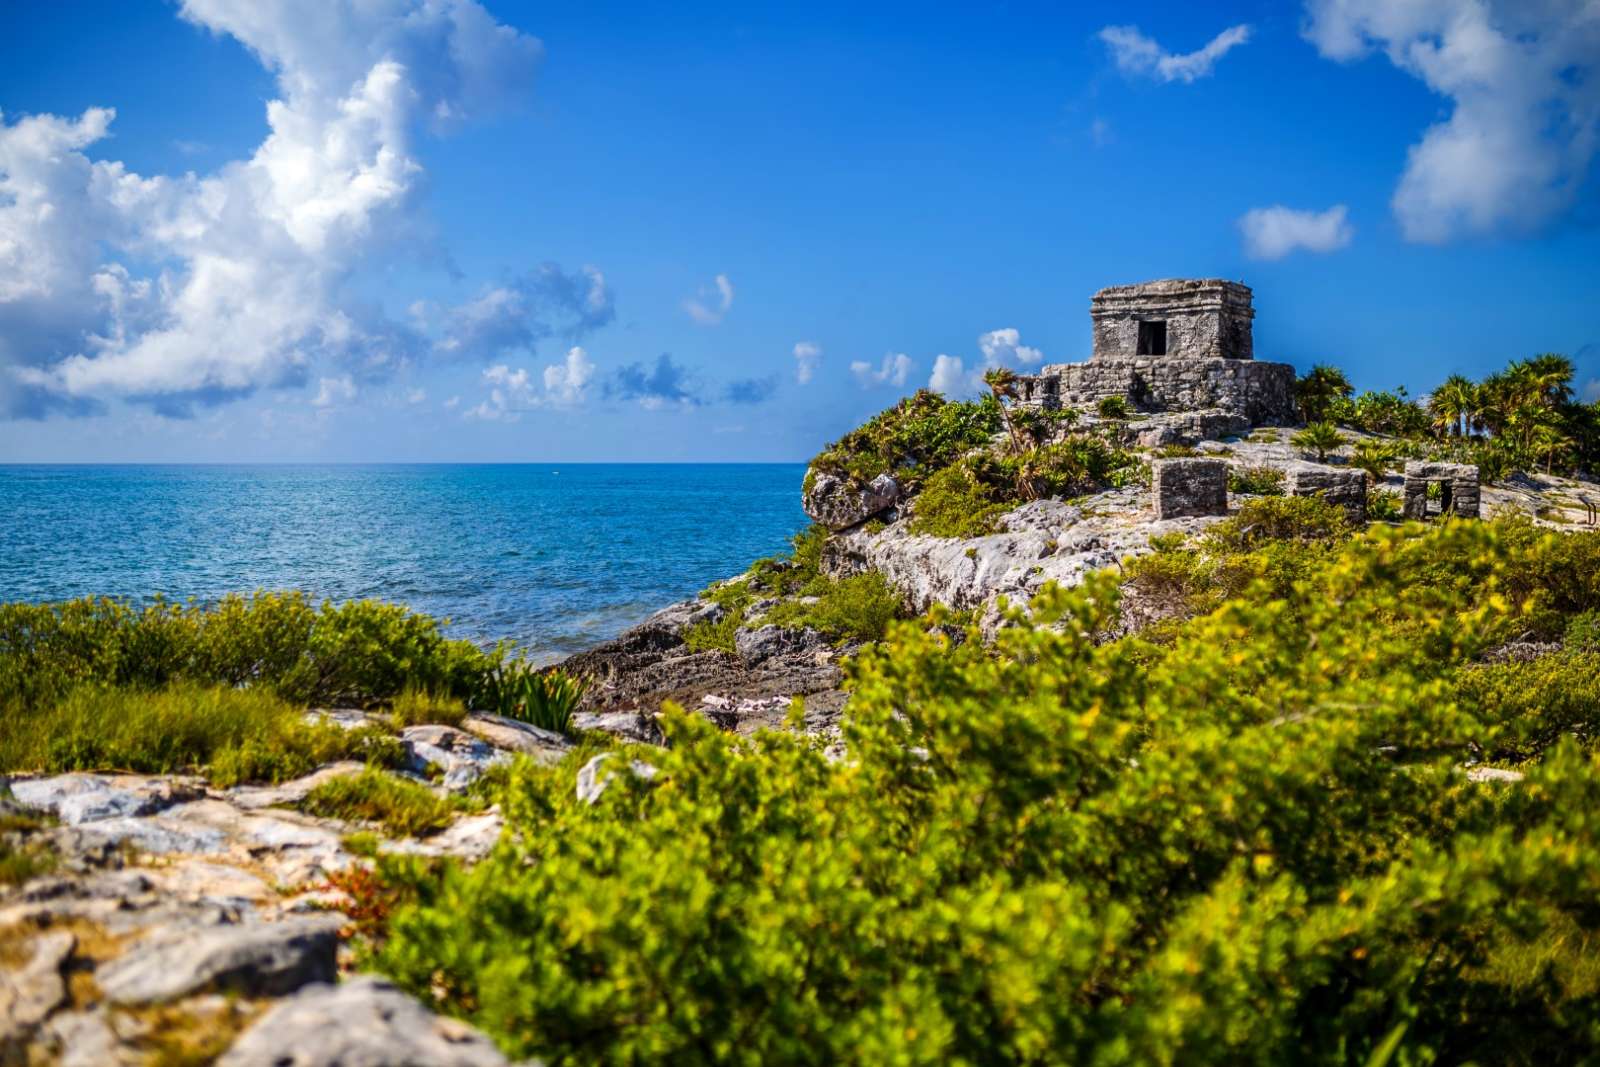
1178 318
1183 487
1344 486
1458 489
1175 345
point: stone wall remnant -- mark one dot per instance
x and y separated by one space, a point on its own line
1458 489
1343 486
1182 487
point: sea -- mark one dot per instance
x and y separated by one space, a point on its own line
553 557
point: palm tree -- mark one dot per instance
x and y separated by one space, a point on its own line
1002 382
1319 437
1321 387
1453 405
1548 440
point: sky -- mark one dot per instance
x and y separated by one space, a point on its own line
447 230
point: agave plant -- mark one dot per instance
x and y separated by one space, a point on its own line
542 698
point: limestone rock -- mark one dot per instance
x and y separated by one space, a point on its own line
594 777
263 959
630 725
29 993
365 1022
839 505
545 745
757 645
82 798
288 794
461 756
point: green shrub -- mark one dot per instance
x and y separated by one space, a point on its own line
401 807
543 698
714 635
1384 505
1178 451
956 503
916 437
362 652
858 608
413 707
1113 407
1583 632
235 735
1318 438
1282 518
1527 707
1259 480
1251 845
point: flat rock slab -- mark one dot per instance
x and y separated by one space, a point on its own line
287 794
461 756
365 1022
82 798
259 959
547 746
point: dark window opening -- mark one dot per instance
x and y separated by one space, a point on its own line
1152 338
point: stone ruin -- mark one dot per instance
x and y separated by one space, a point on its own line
1181 346
1185 487
1344 486
1458 489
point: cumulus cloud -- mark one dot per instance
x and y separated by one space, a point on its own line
751 390
331 391
523 312
711 304
1523 80
950 377
894 370
178 291
807 354
513 391
1274 232
1134 53
1004 347
664 384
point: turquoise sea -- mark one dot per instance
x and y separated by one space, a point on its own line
556 557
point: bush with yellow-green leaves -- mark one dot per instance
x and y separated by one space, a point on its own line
1257 841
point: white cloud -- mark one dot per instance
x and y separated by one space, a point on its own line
710 305
416 396
250 263
894 370
331 391
1591 391
513 391
1523 80
807 354
1004 347
1135 53
950 377
1274 232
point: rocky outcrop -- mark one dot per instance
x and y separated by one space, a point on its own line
839 504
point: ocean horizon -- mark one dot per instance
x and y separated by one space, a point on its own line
553 556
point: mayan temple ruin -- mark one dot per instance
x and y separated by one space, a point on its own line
1180 347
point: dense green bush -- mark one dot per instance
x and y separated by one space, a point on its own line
362 652
858 608
955 502
1252 844
401 807
916 437
1258 480
545 698
236 735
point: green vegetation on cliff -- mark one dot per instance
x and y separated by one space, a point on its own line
1320 819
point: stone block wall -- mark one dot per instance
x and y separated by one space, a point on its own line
1261 392
1343 486
1205 318
1459 492
1180 487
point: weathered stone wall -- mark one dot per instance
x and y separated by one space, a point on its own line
1206 319
1262 392
1345 487
1183 487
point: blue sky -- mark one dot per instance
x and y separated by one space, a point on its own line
756 227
